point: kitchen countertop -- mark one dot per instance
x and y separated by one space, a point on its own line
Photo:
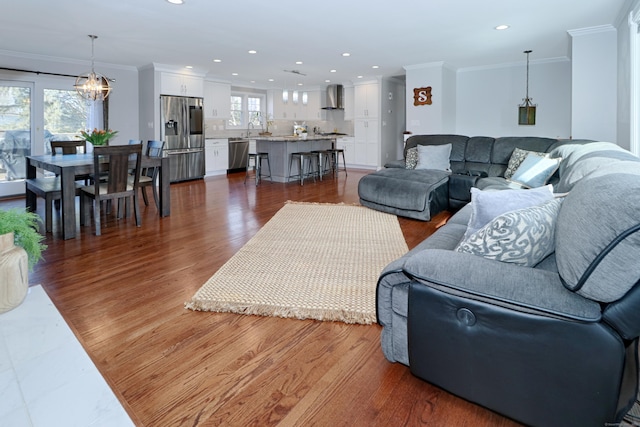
294 138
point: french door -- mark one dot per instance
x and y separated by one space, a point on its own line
31 118
16 134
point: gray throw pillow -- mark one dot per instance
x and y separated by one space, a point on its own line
412 158
523 237
434 157
517 157
486 205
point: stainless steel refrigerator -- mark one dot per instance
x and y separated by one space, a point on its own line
182 130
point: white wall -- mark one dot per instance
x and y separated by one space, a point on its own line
628 131
484 100
594 79
123 100
429 119
488 99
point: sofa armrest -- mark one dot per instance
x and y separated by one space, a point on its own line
508 285
400 163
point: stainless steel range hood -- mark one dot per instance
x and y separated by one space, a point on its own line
335 98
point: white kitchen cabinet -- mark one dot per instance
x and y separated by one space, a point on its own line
367 101
276 107
217 100
216 156
347 143
367 142
290 110
349 99
313 110
181 85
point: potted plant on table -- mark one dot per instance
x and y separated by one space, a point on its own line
20 249
97 137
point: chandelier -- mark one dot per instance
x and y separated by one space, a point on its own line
92 86
527 110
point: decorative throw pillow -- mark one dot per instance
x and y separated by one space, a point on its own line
535 171
523 237
412 158
486 205
434 157
518 157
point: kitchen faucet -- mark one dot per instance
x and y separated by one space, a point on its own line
249 126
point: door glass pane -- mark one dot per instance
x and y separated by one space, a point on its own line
253 105
235 118
65 115
15 131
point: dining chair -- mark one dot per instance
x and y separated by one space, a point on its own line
68 147
148 176
49 188
116 161
71 147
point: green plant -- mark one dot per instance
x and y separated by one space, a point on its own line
24 225
98 137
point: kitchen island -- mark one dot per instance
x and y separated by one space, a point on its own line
280 149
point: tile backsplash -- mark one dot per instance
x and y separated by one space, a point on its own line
217 128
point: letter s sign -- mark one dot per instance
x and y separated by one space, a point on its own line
422 96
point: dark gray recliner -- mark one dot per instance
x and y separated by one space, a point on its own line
551 345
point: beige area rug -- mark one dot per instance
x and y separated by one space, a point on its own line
310 261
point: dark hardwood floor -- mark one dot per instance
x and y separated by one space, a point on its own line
123 295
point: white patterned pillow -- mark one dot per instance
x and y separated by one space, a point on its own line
524 236
518 157
412 158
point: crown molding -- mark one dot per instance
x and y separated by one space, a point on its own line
515 64
591 30
82 62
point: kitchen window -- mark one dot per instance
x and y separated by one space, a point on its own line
246 110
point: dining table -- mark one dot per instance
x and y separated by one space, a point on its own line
70 165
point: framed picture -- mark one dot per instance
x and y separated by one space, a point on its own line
527 115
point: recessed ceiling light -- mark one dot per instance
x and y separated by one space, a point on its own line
300 84
217 60
298 62
502 27
176 1
375 66
327 81
346 54
234 74
359 77
189 66
271 80
332 71
253 51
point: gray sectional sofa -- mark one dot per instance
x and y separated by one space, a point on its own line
421 194
554 343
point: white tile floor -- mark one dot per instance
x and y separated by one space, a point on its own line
46 377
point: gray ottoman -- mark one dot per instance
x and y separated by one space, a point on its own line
411 193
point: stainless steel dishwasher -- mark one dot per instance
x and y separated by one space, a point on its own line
238 152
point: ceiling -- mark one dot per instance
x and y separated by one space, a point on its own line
459 33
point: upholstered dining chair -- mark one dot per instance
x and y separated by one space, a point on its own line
48 188
117 161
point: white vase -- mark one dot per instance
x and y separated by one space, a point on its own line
14 273
89 147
